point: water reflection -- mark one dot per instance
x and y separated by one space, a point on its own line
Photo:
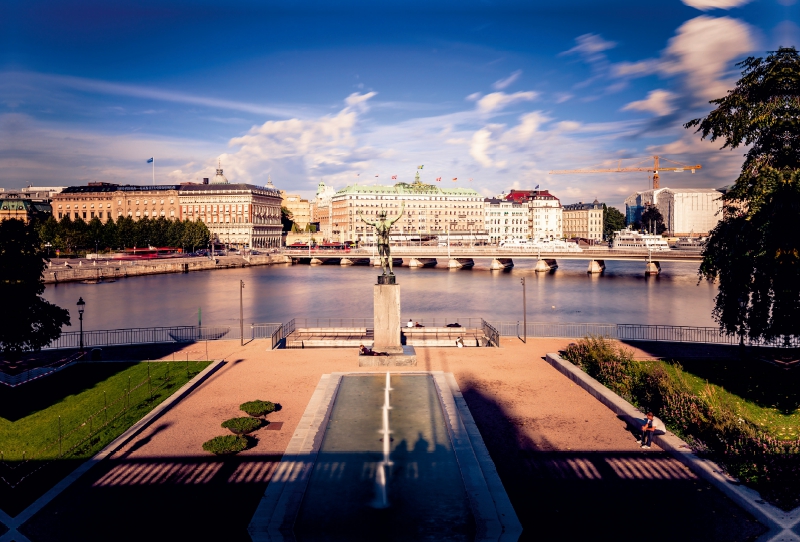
281 292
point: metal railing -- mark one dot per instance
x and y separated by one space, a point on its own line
491 333
632 332
280 334
38 372
472 323
330 323
155 335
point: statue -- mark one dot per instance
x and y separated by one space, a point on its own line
382 227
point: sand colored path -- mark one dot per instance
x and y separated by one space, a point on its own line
570 467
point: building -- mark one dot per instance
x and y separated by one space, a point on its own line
42 194
544 213
299 207
236 214
321 209
505 220
107 200
686 211
430 212
12 205
583 220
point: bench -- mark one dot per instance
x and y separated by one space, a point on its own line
443 336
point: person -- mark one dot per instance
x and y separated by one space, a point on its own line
364 351
417 324
651 425
410 323
460 342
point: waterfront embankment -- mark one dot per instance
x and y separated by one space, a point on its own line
105 270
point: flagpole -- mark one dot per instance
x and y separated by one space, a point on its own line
154 170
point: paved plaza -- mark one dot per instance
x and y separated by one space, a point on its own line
570 467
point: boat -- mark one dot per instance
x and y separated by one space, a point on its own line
628 239
541 245
690 243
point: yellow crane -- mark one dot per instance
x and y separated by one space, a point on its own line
635 167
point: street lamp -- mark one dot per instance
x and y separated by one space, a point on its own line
241 312
81 305
524 313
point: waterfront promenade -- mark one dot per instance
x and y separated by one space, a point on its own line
571 468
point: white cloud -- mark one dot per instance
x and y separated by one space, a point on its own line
500 100
590 46
503 83
703 50
658 101
705 5
635 69
473 97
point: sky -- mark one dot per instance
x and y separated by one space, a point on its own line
494 94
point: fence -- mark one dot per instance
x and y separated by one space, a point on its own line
633 332
153 335
491 333
81 438
38 372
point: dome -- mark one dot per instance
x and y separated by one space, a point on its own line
219 178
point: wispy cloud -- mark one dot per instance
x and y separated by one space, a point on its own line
502 84
496 101
658 102
705 5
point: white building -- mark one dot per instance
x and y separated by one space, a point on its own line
321 209
544 213
686 211
505 220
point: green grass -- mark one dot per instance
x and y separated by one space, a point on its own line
766 395
93 411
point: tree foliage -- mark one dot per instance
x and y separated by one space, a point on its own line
72 235
754 251
31 322
287 219
653 221
613 220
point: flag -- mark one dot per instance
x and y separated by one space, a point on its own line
470 180
439 179
455 179
376 175
150 160
357 174
420 167
537 187
394 177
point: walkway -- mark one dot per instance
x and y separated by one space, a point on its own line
570 467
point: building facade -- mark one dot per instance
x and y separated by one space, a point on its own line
686 211
505 220
544 213
583 220
107 200
299 207
429 212
21 208
321 211
236 214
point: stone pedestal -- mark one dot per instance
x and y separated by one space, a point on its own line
386 300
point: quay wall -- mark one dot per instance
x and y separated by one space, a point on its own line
113 270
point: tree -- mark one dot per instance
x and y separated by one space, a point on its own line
613 220
653 221
754 251
286 219
35 322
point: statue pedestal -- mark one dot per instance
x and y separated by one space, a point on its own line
386 300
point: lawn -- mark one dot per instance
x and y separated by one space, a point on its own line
47 427
761 393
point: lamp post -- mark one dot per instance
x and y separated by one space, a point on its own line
524 313
241 313
81 305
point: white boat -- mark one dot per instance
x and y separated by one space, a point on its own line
690 243
633 240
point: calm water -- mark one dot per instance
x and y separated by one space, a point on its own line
280 292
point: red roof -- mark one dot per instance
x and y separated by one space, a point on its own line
522 196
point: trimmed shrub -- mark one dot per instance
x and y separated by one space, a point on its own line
242 426
225 445
257 408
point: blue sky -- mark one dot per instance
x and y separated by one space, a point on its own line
497 92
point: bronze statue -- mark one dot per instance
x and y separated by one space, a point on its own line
382 227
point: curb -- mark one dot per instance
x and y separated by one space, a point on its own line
779 522
112 447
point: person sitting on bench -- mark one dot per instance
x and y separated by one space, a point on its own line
364 351
454 325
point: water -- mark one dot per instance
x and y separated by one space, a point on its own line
277 293
424 498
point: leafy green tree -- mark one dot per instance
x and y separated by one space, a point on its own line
196 234
286 219
754 251
35 322
653 221
613 220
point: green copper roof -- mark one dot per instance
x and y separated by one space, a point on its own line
408 189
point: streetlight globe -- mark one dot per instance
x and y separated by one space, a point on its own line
81 305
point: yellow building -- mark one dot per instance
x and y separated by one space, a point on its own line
584 220
299 207
108 200
12 206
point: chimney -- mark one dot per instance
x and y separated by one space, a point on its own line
205 180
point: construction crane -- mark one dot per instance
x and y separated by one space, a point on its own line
636 167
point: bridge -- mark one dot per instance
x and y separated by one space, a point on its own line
501 257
